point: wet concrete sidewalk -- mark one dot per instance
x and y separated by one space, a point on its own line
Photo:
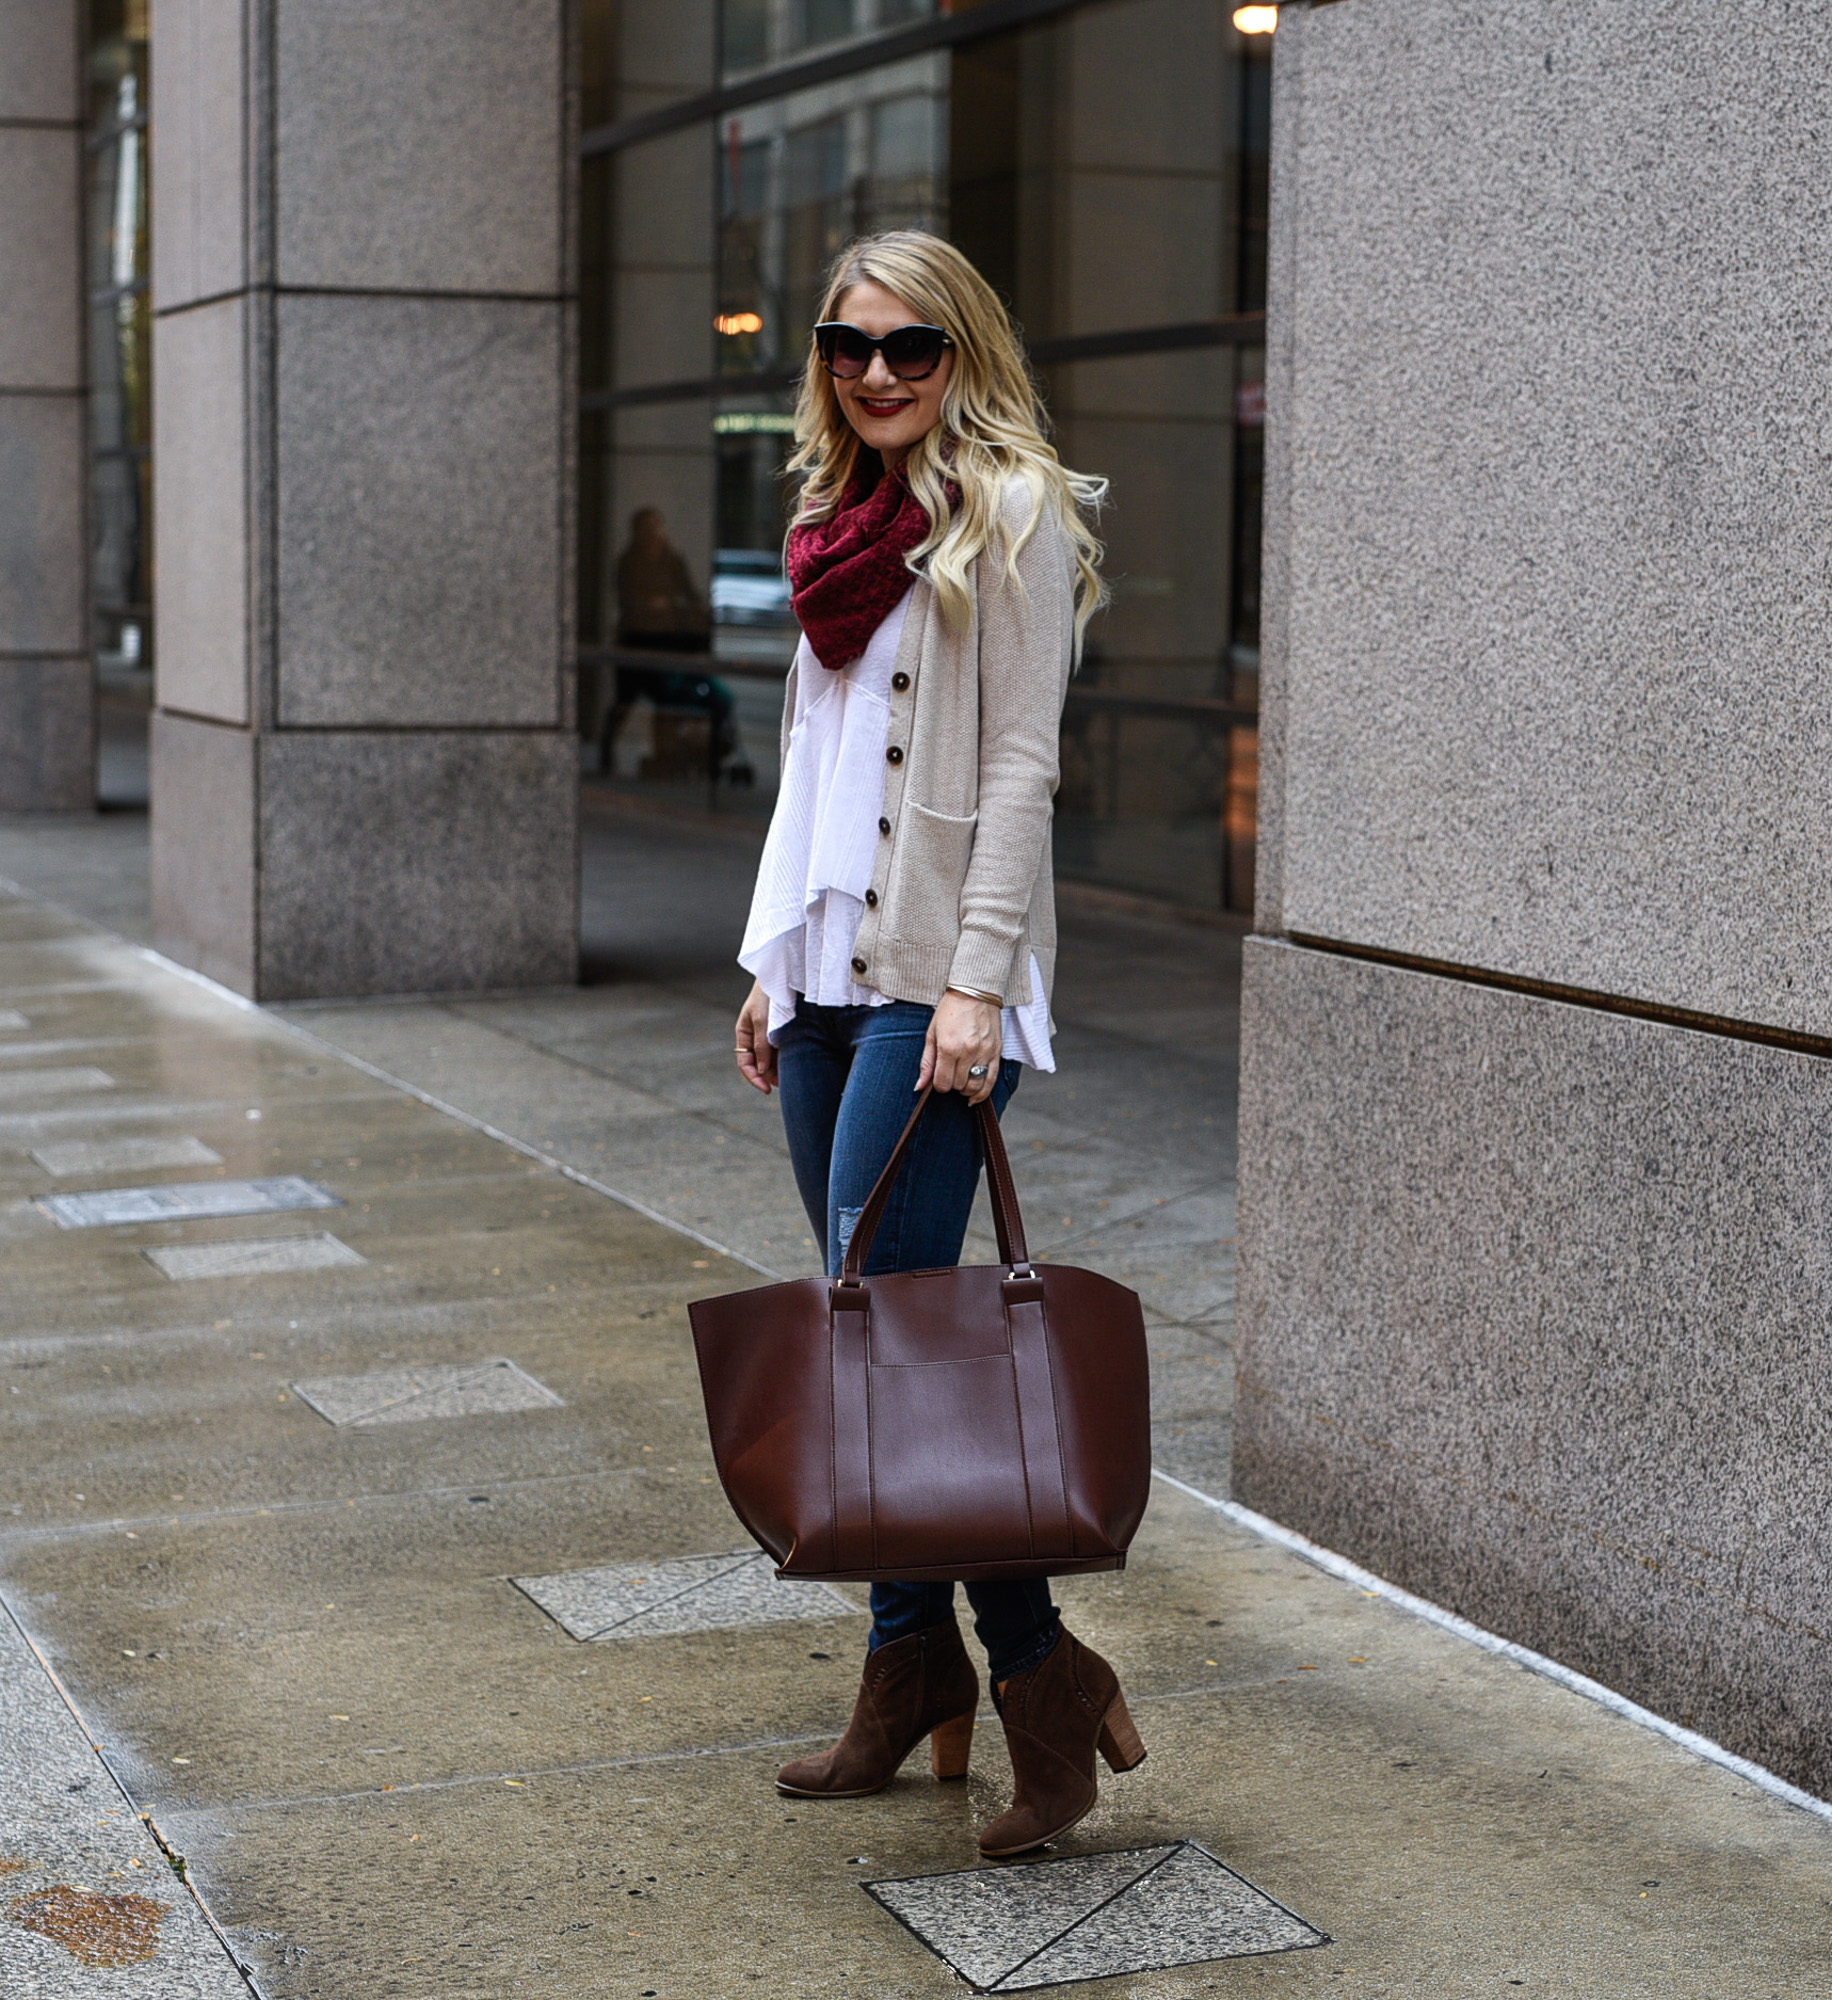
356 1570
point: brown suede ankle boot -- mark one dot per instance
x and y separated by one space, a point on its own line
924 1685
1056 1714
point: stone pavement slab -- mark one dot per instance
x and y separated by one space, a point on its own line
424 1395
89 1903
1454 1823
1092 1916
304 1650
722 1175
986 1922
191 1201
16 1085
648 1600
253 1257
116 1156
1184 1909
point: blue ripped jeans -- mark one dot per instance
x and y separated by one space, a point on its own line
848 1080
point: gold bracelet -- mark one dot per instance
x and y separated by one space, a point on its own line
973 993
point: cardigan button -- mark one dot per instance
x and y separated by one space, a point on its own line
884 826
858 965
894 754
871 899
900 682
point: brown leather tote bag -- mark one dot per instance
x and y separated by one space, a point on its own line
969 1423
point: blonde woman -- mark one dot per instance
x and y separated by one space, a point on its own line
903 931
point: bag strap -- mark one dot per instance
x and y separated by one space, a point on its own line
1007 1222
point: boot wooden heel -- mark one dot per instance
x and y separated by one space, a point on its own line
949 1745
1119 1740
922 1685
1060 1716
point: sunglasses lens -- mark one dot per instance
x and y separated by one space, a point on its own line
910 353
913 351
845 350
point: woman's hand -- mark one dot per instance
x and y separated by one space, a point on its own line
963 1035
756 1055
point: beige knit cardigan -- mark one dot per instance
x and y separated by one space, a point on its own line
961 893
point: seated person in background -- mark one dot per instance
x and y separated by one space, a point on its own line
660 610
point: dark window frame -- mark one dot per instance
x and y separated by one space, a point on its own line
996 17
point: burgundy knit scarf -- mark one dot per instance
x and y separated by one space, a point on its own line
847 574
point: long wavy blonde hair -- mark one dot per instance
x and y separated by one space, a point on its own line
991 429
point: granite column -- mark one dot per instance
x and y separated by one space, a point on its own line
1537 1035
364 767
47 683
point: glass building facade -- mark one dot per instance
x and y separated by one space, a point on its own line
120 337
1104 164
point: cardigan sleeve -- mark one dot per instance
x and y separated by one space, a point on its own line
789 698
1026 651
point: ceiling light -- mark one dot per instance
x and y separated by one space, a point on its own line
1256 20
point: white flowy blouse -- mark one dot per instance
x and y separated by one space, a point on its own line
823 842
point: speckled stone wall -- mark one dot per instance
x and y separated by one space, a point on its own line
1533 1294
364 778
47 682
1553 445
1532 1313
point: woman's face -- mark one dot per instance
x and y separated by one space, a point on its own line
888 415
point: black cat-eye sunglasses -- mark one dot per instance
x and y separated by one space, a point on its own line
910 352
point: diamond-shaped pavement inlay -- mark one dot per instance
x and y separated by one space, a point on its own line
254 1257
189 1201
690 1594
125 1156
1092 1916
47 1082
417 1395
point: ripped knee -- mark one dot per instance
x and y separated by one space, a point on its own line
849 1221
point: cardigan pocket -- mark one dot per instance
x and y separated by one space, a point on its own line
928 870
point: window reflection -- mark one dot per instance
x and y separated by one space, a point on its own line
1107 169
755 33
120 337
798 178
802 175
1109 175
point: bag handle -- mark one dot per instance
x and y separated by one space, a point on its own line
1007 1222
